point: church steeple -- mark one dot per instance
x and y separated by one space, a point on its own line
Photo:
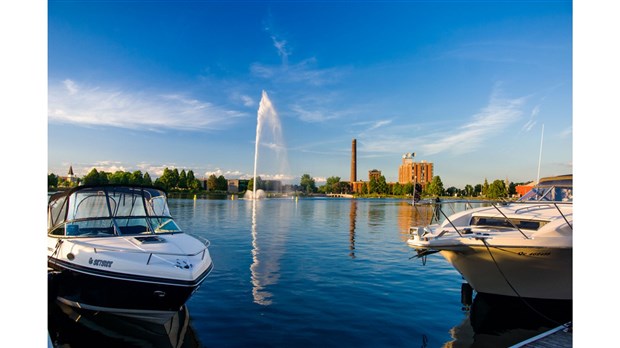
70 170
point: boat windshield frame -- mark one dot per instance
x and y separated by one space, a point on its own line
110 210
548 193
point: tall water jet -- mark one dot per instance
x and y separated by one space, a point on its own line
265 267
267 115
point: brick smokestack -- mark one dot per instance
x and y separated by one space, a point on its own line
353 161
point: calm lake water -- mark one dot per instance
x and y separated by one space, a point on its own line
315 273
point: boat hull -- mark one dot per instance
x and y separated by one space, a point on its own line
530 272
120 293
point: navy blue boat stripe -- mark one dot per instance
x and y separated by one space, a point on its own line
131 277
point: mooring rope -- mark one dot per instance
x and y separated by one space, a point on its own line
515 290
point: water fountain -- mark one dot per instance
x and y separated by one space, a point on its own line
265 267
267 116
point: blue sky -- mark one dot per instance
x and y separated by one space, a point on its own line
467 85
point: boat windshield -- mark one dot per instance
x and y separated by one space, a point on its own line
549 193
107 211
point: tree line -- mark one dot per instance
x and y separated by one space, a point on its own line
496 189
172 180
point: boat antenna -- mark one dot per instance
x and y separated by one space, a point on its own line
540 154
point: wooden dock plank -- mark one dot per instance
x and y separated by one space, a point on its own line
560 337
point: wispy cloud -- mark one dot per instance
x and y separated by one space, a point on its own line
491 120
532 121
283 50
372 126
69 102
247 101
566 133
305 71
311 113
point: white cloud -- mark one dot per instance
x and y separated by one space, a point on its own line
490 121
312 115
532 121
568 132
283 51
319 179
71 87
247 101
108 106
303 72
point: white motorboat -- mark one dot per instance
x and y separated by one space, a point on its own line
117 249
522 248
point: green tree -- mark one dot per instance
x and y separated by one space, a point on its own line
183 179
192 182
364 188
408 188
212 183
497 189
165 180
136 178
307 183
469 190
146 180
52 180
120 178
477 190
372 186
435 187
452 191
222 183
343 187
332 185
95 178
174 178
259 184
382 186
485 187
397 189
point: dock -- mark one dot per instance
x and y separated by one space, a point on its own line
561 336
341 195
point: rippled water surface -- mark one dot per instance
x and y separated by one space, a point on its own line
320 273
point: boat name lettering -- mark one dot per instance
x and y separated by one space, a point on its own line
102 263
535 254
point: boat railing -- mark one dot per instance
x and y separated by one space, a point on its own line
438 210
202 251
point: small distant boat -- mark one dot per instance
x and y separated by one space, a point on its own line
522 248
117 249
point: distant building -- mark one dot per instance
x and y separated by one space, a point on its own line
237 185
376 174
70 178
409 171
525 188
415 172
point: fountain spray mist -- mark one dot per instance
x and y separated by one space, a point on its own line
267 115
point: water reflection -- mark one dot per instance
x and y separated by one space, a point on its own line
265 268
413 215
502 321
352 220
73 327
